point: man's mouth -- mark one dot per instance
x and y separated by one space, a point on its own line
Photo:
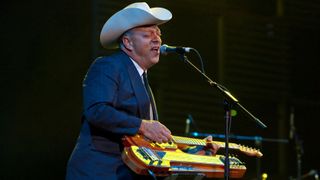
155 49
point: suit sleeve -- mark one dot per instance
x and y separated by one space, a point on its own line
100 91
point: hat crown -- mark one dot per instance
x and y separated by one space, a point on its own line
139 5
133 15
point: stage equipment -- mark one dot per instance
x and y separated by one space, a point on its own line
229 102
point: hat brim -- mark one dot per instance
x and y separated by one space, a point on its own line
129 18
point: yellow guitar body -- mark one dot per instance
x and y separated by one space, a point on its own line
163 163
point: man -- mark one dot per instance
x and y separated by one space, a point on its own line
117 99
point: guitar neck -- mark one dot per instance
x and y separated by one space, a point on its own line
200 142
140 141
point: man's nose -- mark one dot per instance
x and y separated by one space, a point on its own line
157 39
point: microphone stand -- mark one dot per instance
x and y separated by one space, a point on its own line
299 153
229 101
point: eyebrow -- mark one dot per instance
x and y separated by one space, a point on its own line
157 30
147 26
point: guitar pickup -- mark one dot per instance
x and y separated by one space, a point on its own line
143 153
148 154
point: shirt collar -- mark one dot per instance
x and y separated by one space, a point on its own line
139 69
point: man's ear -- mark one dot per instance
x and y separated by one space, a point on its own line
127 43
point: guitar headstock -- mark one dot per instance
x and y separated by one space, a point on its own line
250 151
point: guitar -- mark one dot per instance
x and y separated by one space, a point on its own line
139 140
146 161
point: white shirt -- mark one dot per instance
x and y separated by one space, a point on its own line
141 71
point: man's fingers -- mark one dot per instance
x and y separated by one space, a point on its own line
166 129
156 131
209 138
165 135
211 146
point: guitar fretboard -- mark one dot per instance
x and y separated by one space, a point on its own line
200 142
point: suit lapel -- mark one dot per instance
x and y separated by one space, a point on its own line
137 85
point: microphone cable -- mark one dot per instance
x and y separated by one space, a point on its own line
200 58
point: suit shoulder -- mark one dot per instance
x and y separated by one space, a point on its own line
111 61
113 58
107 66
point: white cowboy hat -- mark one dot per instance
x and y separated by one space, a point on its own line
134 15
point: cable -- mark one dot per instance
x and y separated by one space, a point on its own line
152 174
200 58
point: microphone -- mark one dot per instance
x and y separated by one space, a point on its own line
165 49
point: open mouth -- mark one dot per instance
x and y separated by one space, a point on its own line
155 49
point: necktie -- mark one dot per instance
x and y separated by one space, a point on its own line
150 95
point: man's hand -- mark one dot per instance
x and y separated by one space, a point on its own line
210 149
211 146
155 131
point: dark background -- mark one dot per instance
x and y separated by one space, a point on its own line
265 52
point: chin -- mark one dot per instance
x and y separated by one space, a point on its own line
155 61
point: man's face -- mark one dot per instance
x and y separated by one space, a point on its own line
145 45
